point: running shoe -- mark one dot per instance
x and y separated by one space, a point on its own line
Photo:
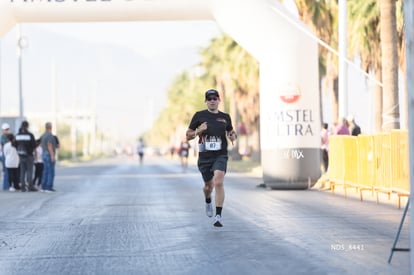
217 221
12 189
209 210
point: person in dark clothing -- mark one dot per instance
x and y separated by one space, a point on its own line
26 145
353 126
213 127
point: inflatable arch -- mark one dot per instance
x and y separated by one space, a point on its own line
288 58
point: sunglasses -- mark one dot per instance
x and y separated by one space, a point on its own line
212 98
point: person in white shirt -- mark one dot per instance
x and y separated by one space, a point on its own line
12 163
38 162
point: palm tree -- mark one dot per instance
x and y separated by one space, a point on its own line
389 48
321 17
366 42
401 62
364 25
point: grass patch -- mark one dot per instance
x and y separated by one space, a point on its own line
245 165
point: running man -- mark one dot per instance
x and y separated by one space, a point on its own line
140 150
184 151
213 127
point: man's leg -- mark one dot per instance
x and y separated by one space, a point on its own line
46 168
218 180
208 189
41 167
22 172
12 187
218 185
52 175
5 174
29 173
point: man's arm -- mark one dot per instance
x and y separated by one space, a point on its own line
50 150
191 134
232 135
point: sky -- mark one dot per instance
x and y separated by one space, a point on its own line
121 70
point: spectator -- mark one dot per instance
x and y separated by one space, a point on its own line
342 128
5 127
12 163
38 162
49 145
26 145
325 146
353 126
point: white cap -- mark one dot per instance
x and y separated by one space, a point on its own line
5 126
350 118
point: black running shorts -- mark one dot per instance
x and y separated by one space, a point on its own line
207 165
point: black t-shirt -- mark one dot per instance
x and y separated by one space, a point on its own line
356 131
213 141
25 143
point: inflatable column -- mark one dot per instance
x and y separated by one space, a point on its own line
290 117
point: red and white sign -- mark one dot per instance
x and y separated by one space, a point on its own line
290 93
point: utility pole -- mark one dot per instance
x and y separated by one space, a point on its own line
54 95
21 44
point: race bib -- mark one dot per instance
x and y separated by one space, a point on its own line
213 144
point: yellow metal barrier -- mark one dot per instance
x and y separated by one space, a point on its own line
379 163
335 161
400 163
382 156
366 164
343 162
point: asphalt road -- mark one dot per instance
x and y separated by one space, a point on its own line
117 217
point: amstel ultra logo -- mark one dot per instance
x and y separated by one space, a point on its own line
290 93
